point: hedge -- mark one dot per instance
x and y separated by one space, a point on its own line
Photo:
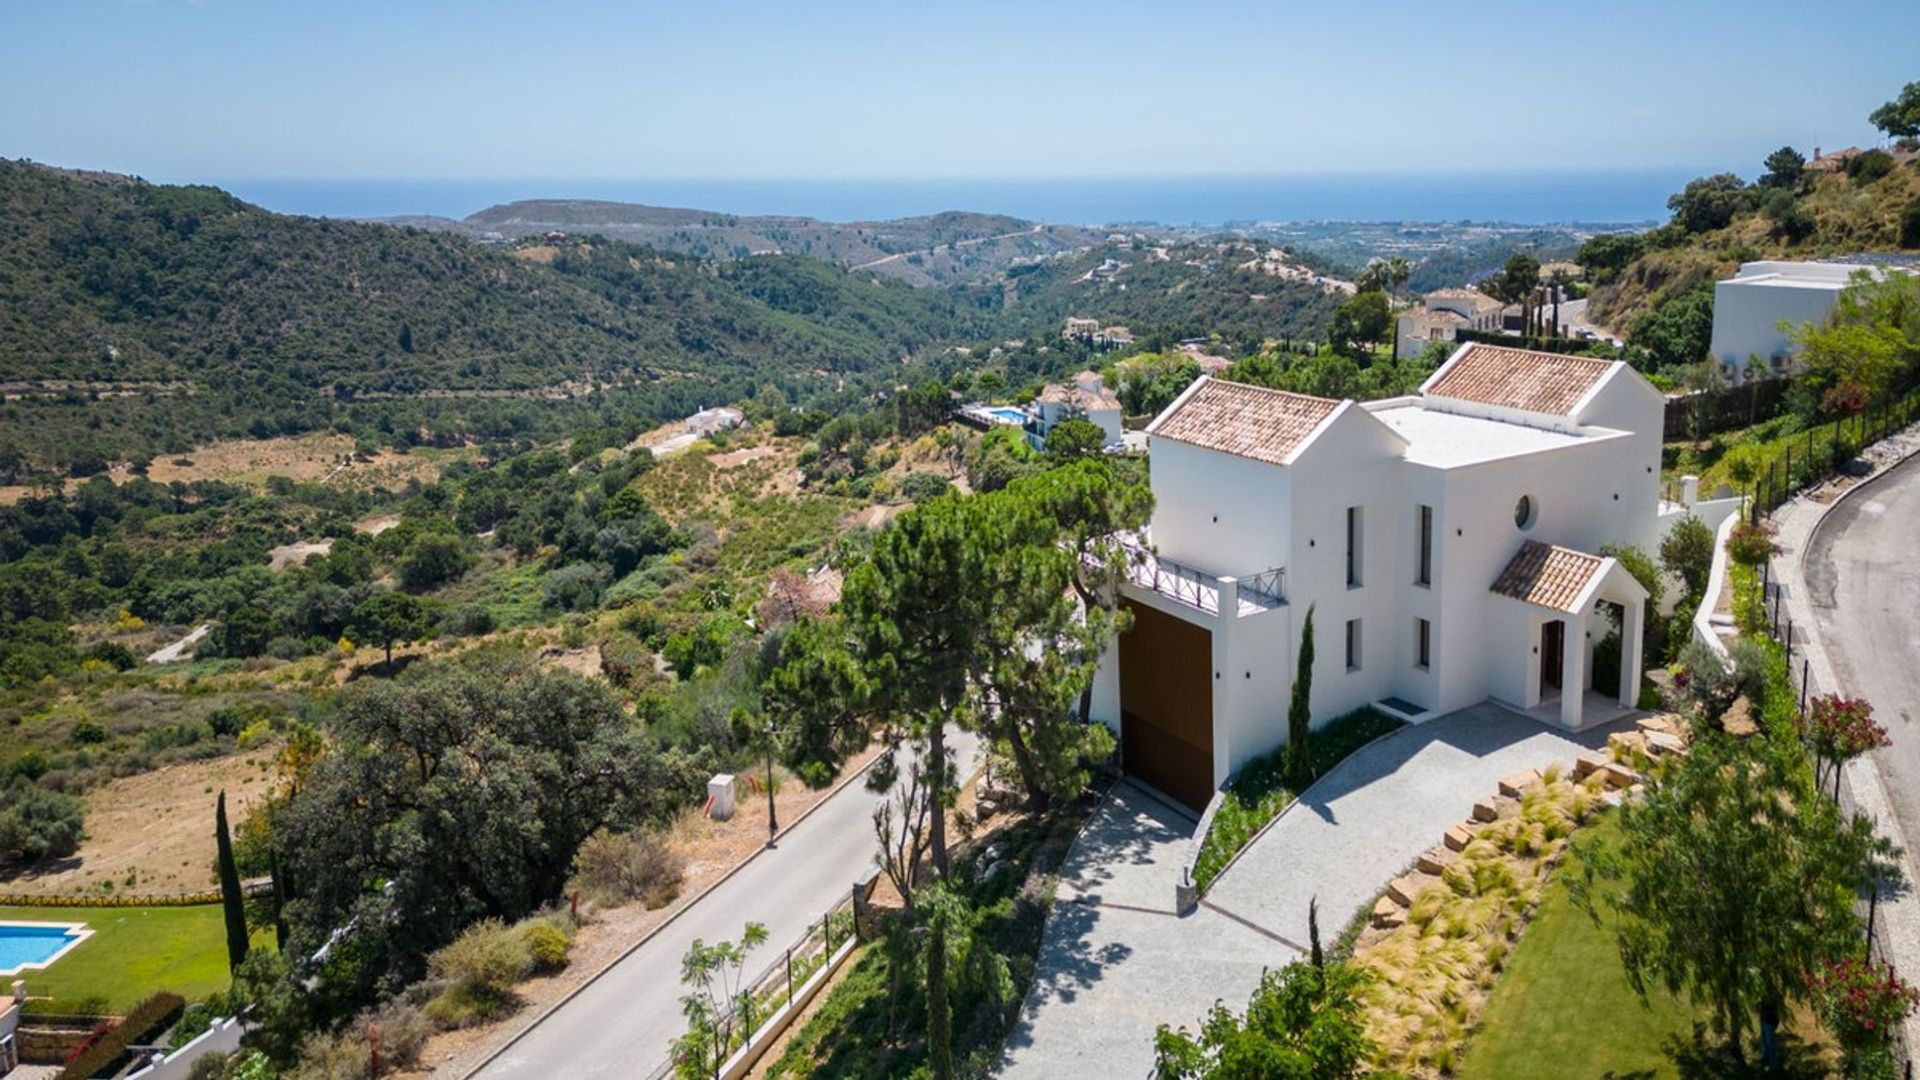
106 1052
112 900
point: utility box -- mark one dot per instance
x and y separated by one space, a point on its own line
720 797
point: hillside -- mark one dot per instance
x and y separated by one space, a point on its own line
1244 291
1824 214
926 250
193 315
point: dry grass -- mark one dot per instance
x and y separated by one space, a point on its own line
152 834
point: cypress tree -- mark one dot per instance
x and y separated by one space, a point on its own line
230 896
1300 712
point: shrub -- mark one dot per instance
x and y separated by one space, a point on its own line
36 823
547 945
347 1053
924 486
480 967
574 588
106 1052
1750 544
615 869
1861 1003
1687 553
1867 167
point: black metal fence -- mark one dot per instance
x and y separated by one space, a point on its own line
1818 453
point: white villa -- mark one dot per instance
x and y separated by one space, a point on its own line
1445 313
1085 396
1750 307
1447 544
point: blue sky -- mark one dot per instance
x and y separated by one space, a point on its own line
825 89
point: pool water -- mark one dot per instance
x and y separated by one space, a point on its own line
1010 416
35 944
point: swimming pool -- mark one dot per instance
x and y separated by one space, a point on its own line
1008 415
28 946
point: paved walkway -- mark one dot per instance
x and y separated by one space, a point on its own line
1117 963
621 1024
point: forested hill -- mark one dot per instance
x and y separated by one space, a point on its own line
253 322
929 249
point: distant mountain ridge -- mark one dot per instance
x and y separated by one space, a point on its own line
929 249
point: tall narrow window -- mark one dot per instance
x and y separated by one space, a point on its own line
1425 569
1422 643
1354 538
1353 644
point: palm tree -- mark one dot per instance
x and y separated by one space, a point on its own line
1398 271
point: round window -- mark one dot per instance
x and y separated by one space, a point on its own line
1523 512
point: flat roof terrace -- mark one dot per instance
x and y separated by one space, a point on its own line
1445 440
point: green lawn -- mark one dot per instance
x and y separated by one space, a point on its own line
134 952
1564 998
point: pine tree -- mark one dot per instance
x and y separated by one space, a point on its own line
1300 712
230 896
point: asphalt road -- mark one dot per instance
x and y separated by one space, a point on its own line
622 1024
1863 584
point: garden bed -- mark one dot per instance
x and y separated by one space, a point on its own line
1258 793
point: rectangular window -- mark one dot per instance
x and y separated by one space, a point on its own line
1422 644
1425 569
1353 644
1353 547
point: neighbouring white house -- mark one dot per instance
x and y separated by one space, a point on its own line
1085 396
708 421
1442 315
1753 310
1447 544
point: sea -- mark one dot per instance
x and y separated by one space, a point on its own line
1525 198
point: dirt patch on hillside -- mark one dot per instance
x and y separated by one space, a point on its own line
746 455
871 517
374 526
156 827
296 554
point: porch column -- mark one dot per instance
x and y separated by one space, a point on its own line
1573 663
1631 624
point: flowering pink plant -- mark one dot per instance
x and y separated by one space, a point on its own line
1860 1002
1842 728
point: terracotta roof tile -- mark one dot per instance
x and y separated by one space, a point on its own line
1247 421
1519 378
1548 575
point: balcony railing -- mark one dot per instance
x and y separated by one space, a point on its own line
1197 588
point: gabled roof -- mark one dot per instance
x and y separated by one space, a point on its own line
1085 390
1538 382
1550 575
1434 315
1246 421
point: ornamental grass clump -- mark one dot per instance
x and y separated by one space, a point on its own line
1432 974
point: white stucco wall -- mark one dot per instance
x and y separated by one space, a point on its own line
1220 514
1254 658
1355 461
1747 308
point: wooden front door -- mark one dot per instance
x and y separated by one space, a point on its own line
1166 705
1553 647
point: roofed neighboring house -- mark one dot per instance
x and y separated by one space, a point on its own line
1086 396
709 421
1446 542
1443 314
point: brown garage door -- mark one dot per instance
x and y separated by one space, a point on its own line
1166 705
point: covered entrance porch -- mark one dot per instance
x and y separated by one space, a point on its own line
1578 618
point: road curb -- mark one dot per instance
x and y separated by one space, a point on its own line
684 907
